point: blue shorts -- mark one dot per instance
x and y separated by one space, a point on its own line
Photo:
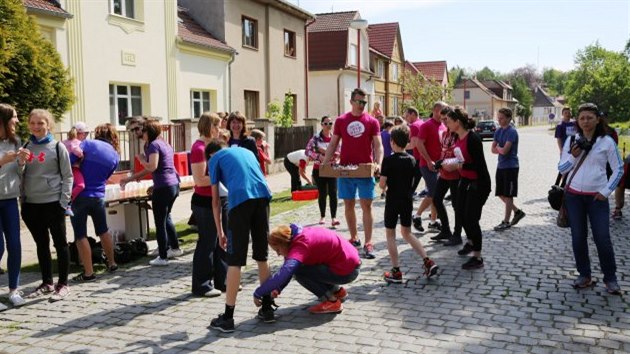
94 207
430 180
347 188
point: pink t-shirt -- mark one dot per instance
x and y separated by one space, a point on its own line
356 135
414 131
316 245
462 145
197 155
430 133
74 147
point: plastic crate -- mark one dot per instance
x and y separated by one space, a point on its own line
305 195
180 160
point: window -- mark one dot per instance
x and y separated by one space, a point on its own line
124 101
352 56
289 43
199 102
251 104
394 106
123 8
380 69
250 32
394 72
466 95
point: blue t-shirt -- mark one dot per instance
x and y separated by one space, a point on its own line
165 174
99 163
238 169
564 130
502 136
387 147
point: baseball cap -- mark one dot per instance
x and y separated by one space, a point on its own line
81 127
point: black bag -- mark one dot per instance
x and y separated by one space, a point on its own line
555 196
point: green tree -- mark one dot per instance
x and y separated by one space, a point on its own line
422 92
555 81
486 74
522 93
31 72
281 113
601 76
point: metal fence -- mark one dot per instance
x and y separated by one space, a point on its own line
291 139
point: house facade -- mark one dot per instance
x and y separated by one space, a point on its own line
332 63
545 107
136 57
387 60
483 100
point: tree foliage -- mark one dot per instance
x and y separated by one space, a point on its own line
422 92
555 81
601 76
487 74
31 72
281 113
522 93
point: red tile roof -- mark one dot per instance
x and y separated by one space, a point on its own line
191 32
331 22
409 66
327 50
48 7
383 37
432 69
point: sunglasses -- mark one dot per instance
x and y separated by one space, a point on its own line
361 102
327 123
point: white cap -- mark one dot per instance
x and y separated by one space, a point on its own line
81 127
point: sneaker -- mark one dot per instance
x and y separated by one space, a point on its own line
453 241
616 215
423 193
504 225
322 221
430 268
434 226
341 294
368 251
465 250
355 243
212 293
327 307
443 235
16 298
473 263
68 211
225 325
613 288
417 223
154 253
61 291
82 278
43 289
582 282
172 253
335 223
159 262
393 276
112 268
448 198
267 315
517 217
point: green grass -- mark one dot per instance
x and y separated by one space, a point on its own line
624 141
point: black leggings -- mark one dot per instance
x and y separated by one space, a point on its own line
326 186
294 171
441 187
468 208
40 219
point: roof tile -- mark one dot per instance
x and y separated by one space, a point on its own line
327 50
432 69
191 32
334 21
49 6
383 37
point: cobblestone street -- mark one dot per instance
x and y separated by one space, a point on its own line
522 301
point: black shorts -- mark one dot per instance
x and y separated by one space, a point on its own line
507 182
396 208
250 216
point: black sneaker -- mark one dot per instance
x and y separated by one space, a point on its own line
434 226
504 225
225 325
465 250
517 217
82 278
417 223
473 263
267 315
453 241
443 235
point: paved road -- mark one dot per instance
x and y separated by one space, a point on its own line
521 301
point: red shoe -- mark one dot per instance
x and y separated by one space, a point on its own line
336 223
327 307
341 294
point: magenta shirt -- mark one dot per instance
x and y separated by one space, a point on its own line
462 144
356 135
197 155
414 131
430 133
316 245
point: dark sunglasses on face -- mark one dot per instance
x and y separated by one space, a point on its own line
361 102
327 123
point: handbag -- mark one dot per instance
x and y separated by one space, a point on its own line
562 220
556 193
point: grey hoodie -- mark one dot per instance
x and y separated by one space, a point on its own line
45 180
9 173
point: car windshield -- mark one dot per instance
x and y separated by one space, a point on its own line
486 124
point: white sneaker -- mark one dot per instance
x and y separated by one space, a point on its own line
3 307
16 298
154 253
61 291
159 262
213 293
172 253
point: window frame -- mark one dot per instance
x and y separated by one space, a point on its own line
291 45
115 96
201 100
255 105
395 72
124 8
254 34
380 68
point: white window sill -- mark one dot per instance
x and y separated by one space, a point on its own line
129 25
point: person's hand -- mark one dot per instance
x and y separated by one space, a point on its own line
575 150
257 301
275 294
599 197
23 155
377 171
150 191
9 156
123 183
431 166
450 167
223 241
494 149
321 150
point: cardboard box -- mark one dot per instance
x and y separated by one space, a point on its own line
362 170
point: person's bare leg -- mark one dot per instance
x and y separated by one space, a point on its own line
368 219
108 247
423 206
392 248
413 242
85 255
263 271
232 282
351 218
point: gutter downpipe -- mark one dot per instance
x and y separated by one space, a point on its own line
306 63
234 54
341 70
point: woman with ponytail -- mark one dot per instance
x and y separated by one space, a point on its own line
474 184
321 261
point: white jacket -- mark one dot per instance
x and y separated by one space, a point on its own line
591 176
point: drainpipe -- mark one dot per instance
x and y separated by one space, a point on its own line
339 91
306 66
229 91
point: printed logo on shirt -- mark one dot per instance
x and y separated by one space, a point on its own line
355 129
41 158
571 131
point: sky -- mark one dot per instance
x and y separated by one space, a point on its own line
500 34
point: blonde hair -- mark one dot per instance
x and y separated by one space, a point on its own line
280 236
224 134
206 122
72 133
257 134
50 120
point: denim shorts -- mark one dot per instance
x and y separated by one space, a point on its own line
348 187
82 207
430 179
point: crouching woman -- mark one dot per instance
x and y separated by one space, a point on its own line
320 259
